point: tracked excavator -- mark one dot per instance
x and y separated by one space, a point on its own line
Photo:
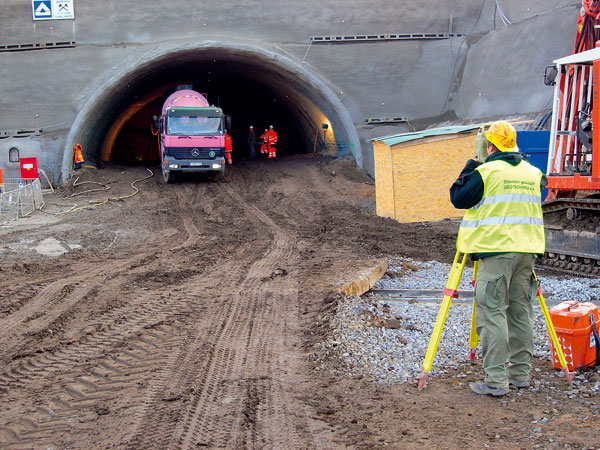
572 206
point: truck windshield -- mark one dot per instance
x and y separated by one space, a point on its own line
194 122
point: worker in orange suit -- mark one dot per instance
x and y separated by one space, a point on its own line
78 156
271 141
228 147
263 141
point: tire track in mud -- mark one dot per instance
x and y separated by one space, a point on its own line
213 373
238 408
211 379
122 323
277 407
193 359
276 416
178 375
146 311
49 304
78 399
188 223
47 295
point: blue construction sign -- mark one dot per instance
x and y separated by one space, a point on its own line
42 9
52 9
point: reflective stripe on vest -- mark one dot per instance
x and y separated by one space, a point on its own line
507 198
502 221
509 216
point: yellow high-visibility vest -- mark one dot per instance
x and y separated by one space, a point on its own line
509 216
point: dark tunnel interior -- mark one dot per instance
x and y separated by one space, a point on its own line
250 92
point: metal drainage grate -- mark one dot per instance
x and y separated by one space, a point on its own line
36 46
381 37
384 120
20 133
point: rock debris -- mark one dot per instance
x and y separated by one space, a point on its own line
365 347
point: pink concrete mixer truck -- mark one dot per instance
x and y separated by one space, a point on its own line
191 135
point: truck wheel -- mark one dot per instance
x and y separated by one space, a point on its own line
168 176
219 176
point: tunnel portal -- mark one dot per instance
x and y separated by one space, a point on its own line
253 89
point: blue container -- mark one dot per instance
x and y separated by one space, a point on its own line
534 145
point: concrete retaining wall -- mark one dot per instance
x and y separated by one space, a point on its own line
426 81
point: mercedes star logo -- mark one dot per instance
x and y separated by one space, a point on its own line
195 152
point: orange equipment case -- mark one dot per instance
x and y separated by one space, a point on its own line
573 327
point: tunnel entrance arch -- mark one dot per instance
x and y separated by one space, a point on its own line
255 85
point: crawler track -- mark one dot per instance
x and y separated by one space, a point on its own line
572 241
571 265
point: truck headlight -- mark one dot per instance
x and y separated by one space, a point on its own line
216 166
173 166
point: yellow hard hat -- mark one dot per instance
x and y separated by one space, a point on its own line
503 135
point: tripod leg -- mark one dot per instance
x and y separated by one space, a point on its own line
552 332
473 337
449 293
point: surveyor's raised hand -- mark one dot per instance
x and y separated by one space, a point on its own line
481 144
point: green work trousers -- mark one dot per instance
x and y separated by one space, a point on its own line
504 294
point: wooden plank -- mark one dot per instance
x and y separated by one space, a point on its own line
418 292
384 182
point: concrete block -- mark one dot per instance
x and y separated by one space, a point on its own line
365 279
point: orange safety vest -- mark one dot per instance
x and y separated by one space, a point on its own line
228 143
271 138
78 154
263 140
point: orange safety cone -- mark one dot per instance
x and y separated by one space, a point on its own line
78 156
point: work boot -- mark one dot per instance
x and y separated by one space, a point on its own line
519 384
481 388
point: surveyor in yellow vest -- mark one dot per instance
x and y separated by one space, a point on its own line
503 229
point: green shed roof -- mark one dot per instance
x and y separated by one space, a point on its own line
394 139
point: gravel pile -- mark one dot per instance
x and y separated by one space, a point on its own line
366 343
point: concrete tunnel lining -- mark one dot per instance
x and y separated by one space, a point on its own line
284 75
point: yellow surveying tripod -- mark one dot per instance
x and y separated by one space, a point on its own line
450 292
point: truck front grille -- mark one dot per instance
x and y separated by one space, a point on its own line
194 152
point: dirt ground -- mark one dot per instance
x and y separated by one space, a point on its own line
184 317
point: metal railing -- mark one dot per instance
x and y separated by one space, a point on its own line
567 151
19 198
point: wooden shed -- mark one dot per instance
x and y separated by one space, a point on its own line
414 172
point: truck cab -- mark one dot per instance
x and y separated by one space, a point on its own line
191 135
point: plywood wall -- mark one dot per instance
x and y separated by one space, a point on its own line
412 180
384 180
